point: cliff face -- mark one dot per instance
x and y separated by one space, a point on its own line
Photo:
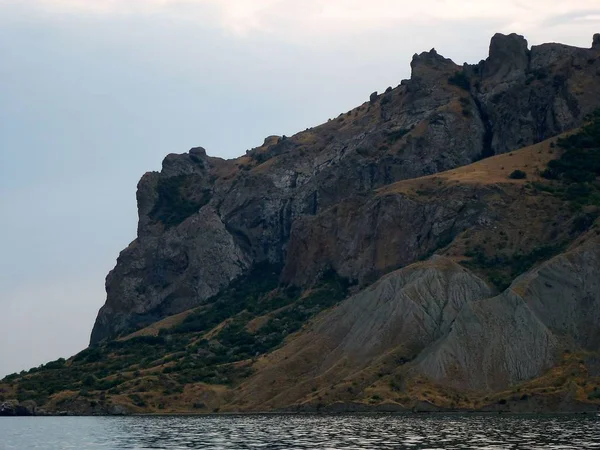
531 95
435 248
204 222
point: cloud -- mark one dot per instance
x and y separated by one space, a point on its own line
580 16
315 17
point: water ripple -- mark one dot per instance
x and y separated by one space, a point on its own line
352 432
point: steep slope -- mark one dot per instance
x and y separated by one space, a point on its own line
204 222
517 335
432 334
393 320
531 95
472 211
341 268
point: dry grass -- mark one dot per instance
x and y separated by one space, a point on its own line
494 170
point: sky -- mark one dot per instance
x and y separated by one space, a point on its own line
93 93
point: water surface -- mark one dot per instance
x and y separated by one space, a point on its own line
303 432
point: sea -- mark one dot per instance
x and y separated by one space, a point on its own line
274 431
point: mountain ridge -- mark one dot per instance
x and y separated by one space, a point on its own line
350 266
439 119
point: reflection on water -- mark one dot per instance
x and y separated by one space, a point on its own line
303 432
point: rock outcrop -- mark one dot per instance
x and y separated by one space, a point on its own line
508 60
364 238
344 268
527 96
204 222
14 408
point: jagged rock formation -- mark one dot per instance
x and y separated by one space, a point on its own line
408 255
530 95
204 221
427 336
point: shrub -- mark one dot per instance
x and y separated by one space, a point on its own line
503 268
461 80
394 135
595 394
517 175
58 364
578 168
173 206
89 381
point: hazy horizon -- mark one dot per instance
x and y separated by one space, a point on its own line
95 93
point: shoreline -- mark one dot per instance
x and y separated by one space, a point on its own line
349 412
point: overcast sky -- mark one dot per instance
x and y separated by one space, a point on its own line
93 93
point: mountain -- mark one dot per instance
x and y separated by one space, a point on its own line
204 221
435 248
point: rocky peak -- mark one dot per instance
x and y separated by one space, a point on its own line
204 221
596 41
195 161
199 152
271 140
508 54
427 62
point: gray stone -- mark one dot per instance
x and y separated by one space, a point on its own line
519 334
279 197
509 57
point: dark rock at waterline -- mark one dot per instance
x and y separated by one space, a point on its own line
14 408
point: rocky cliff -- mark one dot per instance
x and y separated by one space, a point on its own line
435 248
204 222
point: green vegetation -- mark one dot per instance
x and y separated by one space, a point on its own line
174 205
102 368
517 175
286 312
185 353
250 292
575 174
573 177
461 80
502 268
